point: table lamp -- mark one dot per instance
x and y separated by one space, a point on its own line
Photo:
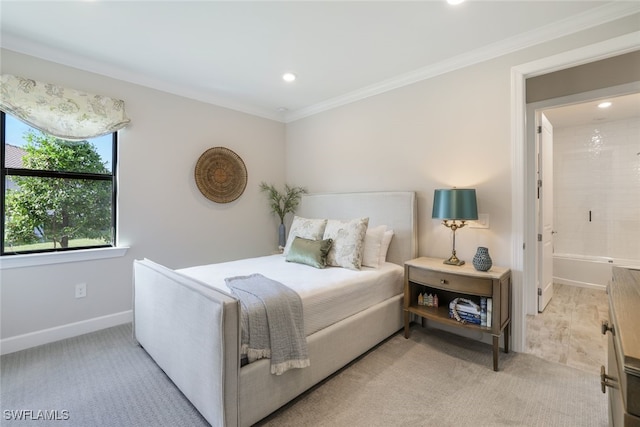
455 204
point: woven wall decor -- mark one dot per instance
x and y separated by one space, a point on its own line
221 175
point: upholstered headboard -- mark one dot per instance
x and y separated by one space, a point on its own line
395 209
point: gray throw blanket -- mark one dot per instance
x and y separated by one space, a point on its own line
272 322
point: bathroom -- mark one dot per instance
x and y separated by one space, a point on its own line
596 189
596 225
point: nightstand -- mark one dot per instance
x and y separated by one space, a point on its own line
431 276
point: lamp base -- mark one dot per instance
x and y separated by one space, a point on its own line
453 261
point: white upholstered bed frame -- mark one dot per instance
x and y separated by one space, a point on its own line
193 331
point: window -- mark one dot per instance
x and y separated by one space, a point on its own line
57 195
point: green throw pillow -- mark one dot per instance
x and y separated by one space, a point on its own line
309 252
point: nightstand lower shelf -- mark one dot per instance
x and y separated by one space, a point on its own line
441 315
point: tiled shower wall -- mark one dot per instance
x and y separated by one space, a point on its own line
597 171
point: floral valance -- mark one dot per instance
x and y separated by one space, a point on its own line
62 112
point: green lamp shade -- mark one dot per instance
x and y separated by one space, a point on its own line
455 203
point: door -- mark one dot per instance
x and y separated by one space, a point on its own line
544 145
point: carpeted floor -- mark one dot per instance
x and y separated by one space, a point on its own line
431 379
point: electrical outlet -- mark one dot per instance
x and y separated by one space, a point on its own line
481 222
81 290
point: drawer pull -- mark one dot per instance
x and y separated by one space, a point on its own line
606 380
443 282
606 327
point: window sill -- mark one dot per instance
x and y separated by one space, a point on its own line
34 260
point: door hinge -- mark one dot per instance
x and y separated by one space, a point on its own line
539 129
539 188
539 291
539 237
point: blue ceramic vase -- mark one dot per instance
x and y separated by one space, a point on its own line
482 260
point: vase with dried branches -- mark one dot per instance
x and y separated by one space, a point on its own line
282 204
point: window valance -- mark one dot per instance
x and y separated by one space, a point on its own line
62 112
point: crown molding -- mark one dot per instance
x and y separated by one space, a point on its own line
592 18
27 47
583 21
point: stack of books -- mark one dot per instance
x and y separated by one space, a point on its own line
486 311
472 313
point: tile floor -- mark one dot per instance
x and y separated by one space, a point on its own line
568 331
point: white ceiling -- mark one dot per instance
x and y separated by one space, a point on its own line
588 113
233 53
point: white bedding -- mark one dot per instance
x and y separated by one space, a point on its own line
328 295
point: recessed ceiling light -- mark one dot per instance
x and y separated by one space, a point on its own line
605 104
288 77
454 2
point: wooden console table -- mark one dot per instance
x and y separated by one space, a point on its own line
622 374
431 276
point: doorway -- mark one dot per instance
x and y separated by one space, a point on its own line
595 152
523 237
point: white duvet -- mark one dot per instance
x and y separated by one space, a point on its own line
328 295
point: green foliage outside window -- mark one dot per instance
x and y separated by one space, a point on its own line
58 209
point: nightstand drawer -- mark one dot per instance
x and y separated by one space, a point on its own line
452 282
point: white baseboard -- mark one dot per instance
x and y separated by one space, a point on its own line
33 339
570 282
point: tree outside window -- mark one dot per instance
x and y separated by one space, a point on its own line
57 194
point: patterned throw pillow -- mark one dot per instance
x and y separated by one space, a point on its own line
348 242
306 228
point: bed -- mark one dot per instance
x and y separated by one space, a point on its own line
189 323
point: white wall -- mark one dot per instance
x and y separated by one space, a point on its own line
434 134
162 215
597 169
450 130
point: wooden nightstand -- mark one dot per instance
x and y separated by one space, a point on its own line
431 276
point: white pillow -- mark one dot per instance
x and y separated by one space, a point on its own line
372 245
348 242
306 228
384 246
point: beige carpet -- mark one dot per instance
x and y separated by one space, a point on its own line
437 379
432 379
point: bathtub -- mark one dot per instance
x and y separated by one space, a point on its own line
586 271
